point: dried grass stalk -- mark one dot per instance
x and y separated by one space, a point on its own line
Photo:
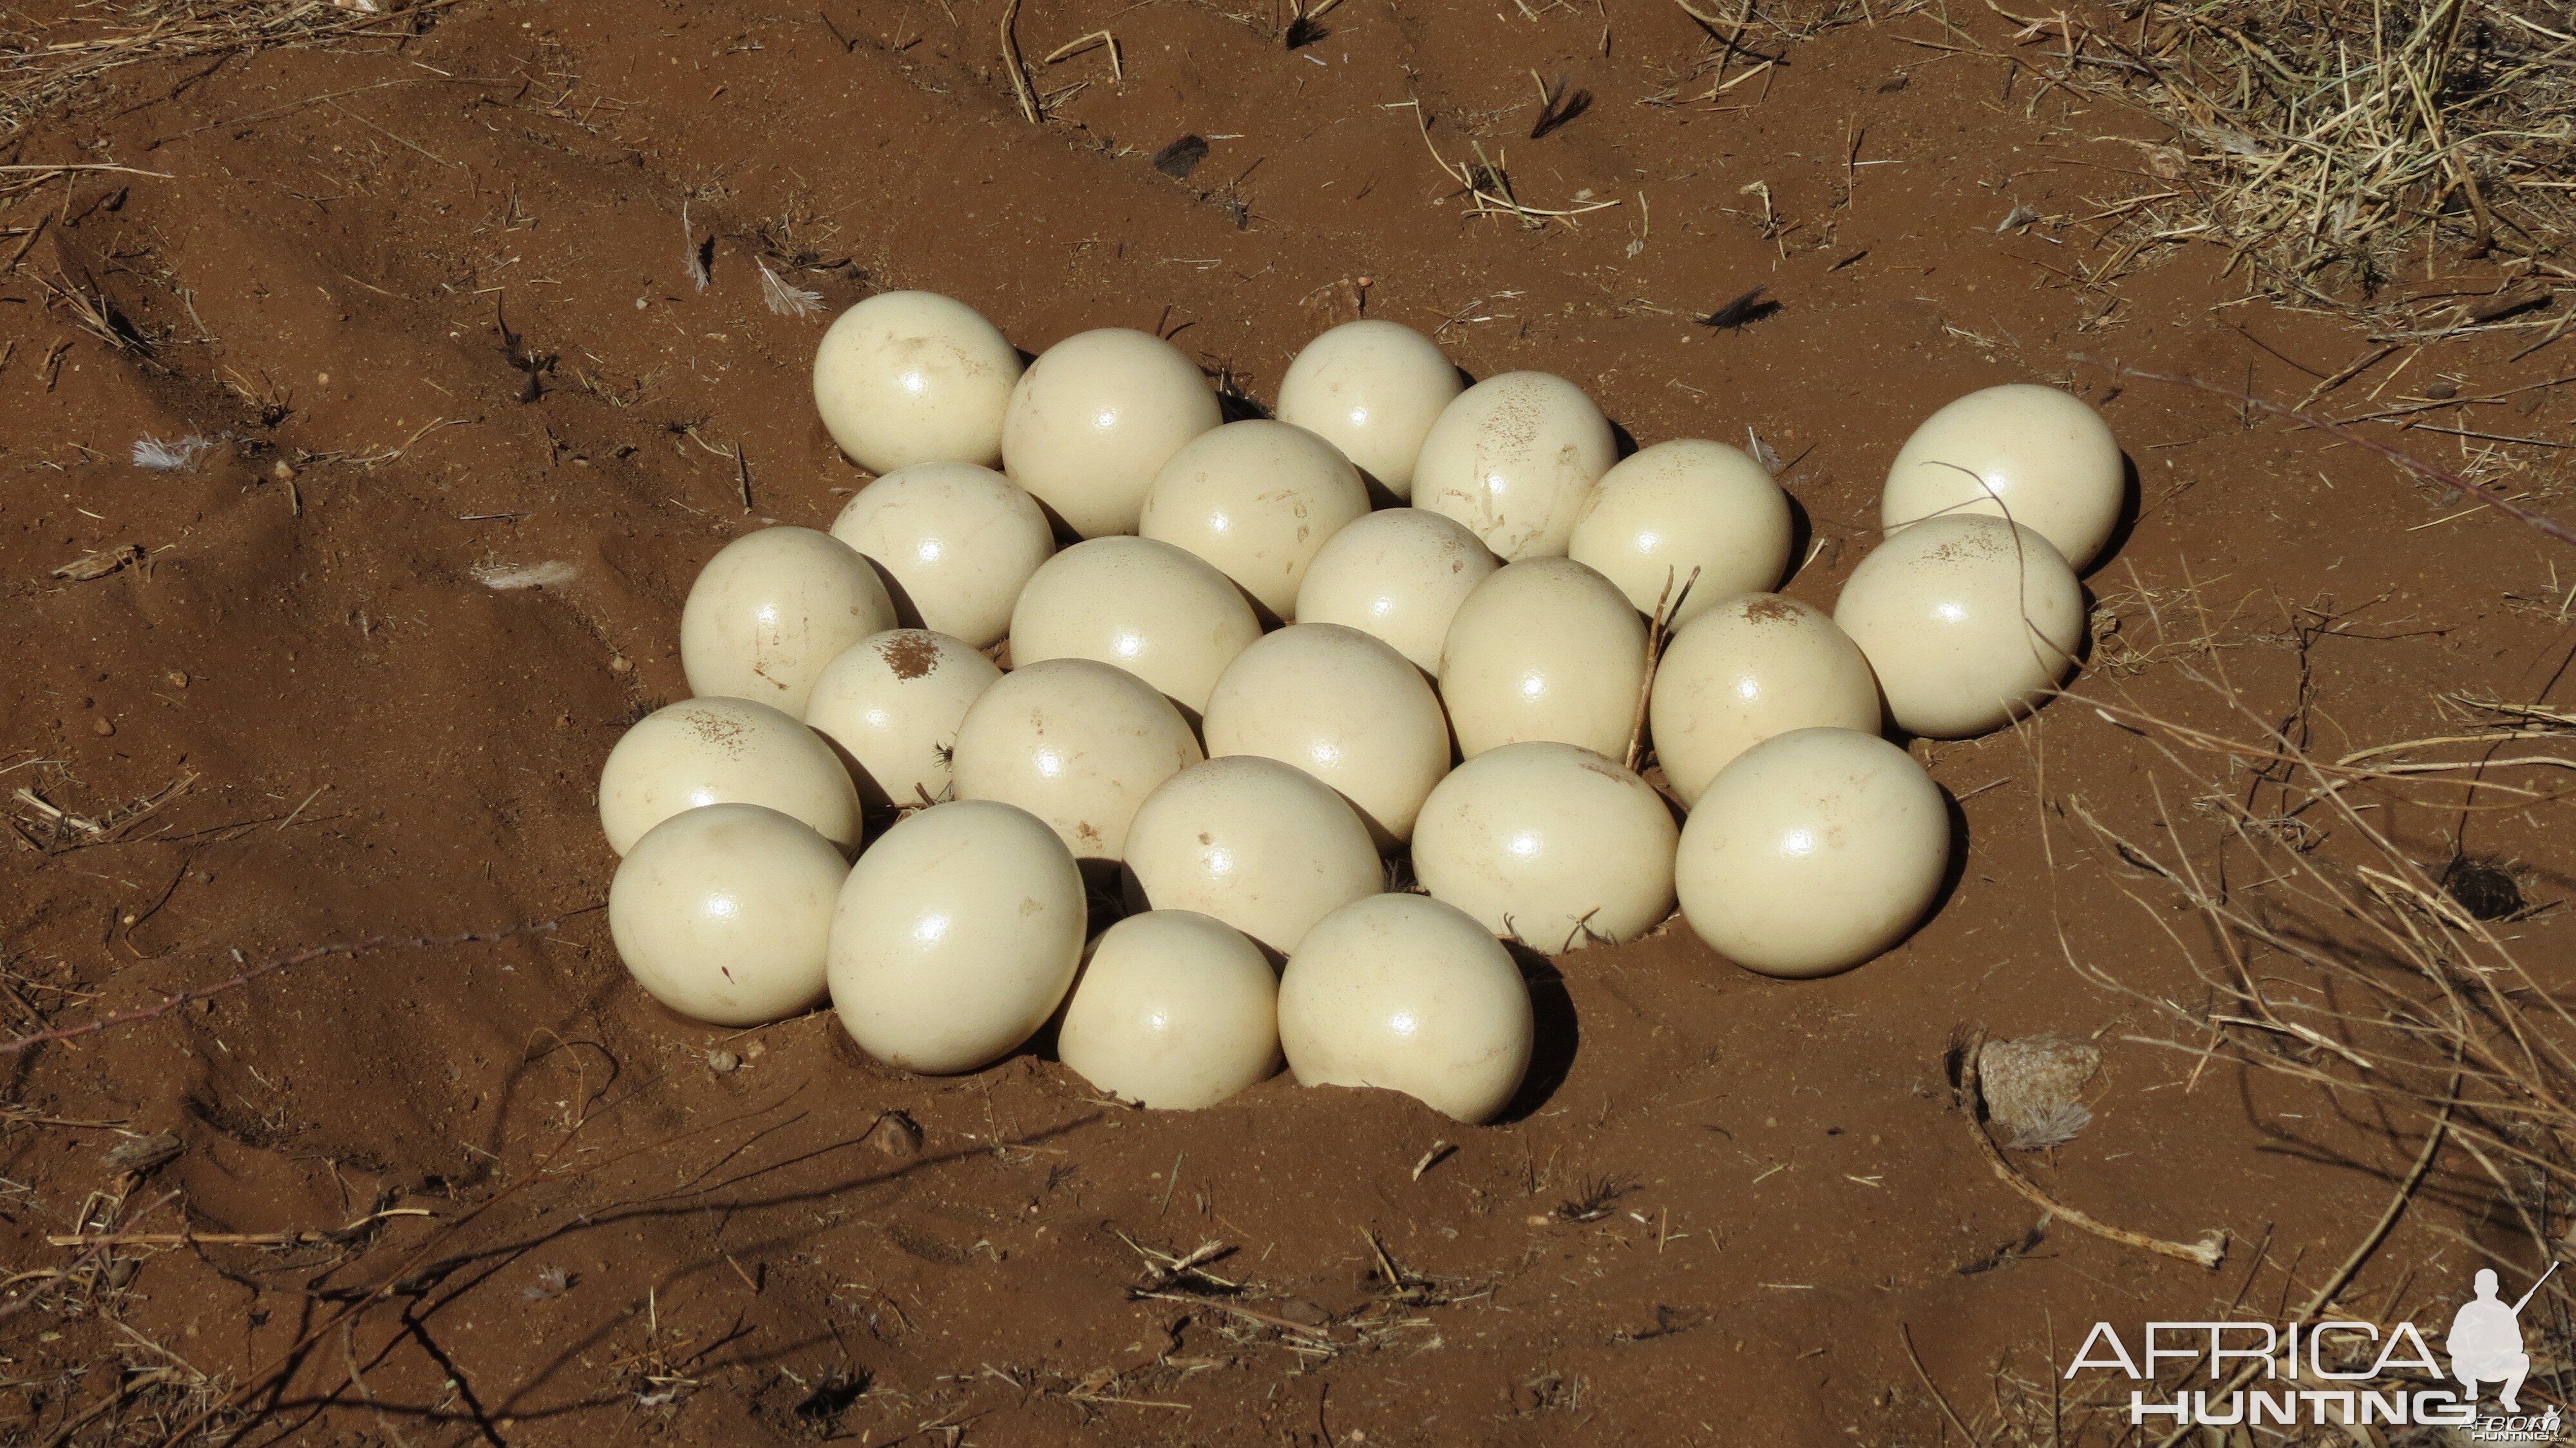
2328 141
41 69
2328 953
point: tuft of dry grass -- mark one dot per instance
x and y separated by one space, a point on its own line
2325 952
42 68
2332 144
1487 184
2331 956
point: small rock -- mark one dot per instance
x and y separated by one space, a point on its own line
2442 391
284 472
101 727
2034 1088
178 679
619 665
722 1061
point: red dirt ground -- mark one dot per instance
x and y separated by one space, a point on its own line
388 681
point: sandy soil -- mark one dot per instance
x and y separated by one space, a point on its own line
473 429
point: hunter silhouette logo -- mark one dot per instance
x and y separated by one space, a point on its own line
2486 1342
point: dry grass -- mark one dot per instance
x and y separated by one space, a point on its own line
2336 146
1742 43
2324 952
42 69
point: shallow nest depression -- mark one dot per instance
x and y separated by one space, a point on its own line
2328 143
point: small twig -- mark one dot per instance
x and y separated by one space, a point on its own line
42 220
1011 61
1264 1318
1396 1277
68 166
1667 603
2208 1252
95 1411
1082 44
226 1239
1439 1150
396 139
1169 1269
298 812
2355 368
1906 1335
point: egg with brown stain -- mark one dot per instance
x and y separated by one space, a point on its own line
1750 667
771 609
702 752
1513 458
893 704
